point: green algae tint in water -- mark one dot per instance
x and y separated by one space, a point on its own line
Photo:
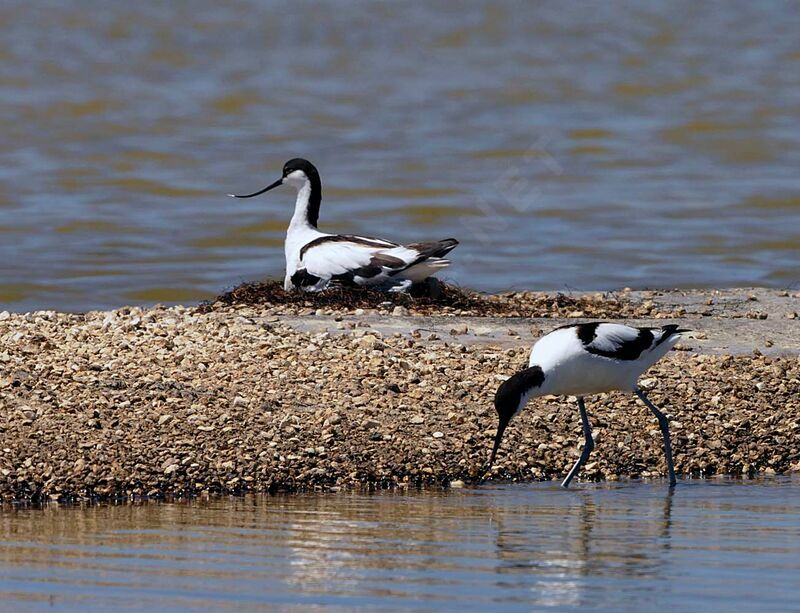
631 145
706 546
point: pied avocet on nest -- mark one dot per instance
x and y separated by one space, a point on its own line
315 260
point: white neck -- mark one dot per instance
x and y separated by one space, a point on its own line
300 218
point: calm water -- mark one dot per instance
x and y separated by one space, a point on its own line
637 144
710 546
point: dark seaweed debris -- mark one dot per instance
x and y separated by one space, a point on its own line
428 297
435 298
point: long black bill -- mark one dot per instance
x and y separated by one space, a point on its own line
501 427
258 193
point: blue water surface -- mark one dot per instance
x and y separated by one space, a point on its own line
711 545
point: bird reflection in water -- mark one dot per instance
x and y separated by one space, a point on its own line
545 552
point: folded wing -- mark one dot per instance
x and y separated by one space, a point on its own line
622 342
364 260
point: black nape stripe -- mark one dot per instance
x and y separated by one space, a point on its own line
315 199
509 394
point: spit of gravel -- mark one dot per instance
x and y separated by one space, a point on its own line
180 401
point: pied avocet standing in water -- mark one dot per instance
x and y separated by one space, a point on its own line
315 259
591 358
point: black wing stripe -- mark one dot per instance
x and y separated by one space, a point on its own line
428 250
434 249
670 330
629 349
344 238
626 350
382 260
586 332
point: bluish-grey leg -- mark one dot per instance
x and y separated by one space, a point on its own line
663 423
587 447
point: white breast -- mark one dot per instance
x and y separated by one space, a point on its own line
296 239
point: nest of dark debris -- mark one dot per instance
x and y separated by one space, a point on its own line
434 298
428 296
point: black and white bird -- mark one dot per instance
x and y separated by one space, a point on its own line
591 358
315 260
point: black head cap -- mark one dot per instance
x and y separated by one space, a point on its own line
315 198
316 185
508 398
300 164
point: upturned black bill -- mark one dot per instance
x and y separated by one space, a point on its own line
266 189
